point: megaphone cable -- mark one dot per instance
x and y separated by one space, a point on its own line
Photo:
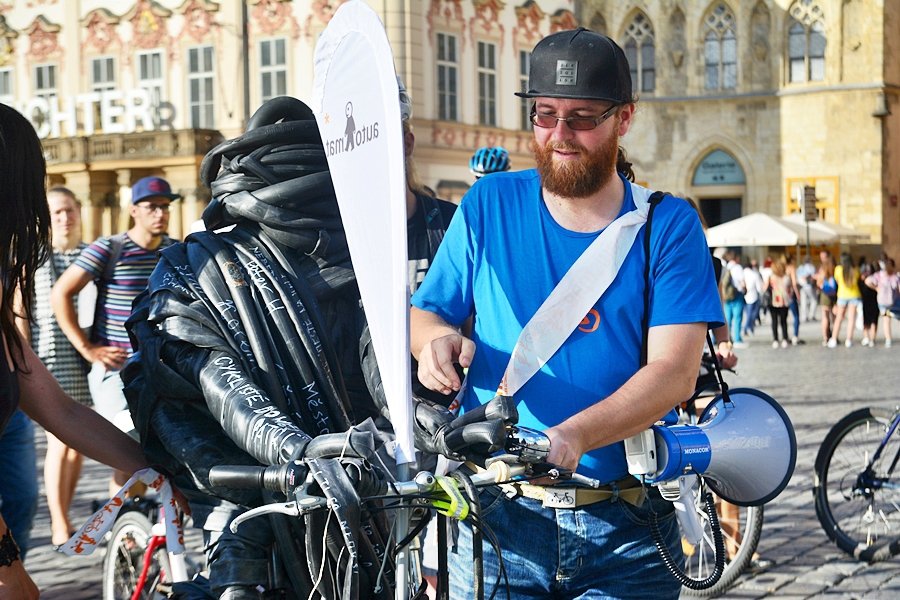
673 567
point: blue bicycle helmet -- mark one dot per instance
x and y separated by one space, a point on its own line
489 160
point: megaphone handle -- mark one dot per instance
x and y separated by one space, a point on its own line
685 510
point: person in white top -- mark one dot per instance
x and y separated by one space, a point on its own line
753 284
734 305
808 297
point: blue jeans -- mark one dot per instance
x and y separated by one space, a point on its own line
602 550
795 312
751 313
18 478
734 313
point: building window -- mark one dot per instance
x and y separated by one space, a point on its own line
103 74
200 87
150 78
806 42
720 49
273 68
487 84
6 86
640 51
524 103
45 81
447 77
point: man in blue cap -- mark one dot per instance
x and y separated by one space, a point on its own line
632 312
120 266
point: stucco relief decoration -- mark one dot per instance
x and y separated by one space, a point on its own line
198 18
274 16
562 20
320 15
448 14
487 17
148 22
101 30
43 39
7 42
528 23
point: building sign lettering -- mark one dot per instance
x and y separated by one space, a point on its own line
110 111
719 168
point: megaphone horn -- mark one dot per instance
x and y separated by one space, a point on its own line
744 447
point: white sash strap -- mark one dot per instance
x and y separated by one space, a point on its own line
575 294
87 538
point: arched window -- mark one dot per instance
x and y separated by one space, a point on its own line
640 51
806 42
720 49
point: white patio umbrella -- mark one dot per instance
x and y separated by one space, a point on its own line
841 232
760 229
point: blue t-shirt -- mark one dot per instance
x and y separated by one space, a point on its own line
500 259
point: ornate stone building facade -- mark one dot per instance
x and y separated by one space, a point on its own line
744 103
741 103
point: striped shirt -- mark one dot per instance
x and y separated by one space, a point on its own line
129 278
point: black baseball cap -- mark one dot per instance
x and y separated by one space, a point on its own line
581 64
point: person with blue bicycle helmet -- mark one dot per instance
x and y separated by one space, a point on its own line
489 159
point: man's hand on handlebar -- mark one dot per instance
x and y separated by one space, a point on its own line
437 359
565 447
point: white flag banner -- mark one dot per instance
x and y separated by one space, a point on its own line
357 107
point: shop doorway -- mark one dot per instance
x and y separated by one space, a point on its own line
720 210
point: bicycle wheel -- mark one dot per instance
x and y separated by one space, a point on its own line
741 528
124 560
857 503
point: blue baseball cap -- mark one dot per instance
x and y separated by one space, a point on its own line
152 187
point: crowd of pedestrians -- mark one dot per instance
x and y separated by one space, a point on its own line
856 295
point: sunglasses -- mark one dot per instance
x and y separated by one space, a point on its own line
574 123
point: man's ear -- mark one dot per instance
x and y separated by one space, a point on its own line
409 143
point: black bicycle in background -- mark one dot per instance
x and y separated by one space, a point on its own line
856 487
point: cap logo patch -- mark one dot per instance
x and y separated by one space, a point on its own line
566 72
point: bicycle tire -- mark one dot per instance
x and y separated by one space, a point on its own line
862 522
700 559
125 556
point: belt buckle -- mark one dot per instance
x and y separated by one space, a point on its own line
559 497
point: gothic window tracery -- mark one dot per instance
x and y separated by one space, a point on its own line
720 48
806 42
640 49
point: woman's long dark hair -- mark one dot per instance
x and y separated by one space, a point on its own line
848 269
25 226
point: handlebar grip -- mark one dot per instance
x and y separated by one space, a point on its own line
237 476
483 438
277 478
499 407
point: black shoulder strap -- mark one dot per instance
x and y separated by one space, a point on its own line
655 199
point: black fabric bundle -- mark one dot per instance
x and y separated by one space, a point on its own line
247 341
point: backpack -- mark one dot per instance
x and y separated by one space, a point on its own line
726 286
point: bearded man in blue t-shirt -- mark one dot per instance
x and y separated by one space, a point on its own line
515 241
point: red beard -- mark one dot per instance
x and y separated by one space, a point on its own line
577 178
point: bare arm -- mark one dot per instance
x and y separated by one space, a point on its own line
62 297
438 345
673 360
76 425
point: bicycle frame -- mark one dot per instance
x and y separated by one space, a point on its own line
866 480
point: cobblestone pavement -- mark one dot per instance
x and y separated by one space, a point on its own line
816 385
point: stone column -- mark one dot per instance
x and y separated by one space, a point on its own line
185 180
124 180
94 189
